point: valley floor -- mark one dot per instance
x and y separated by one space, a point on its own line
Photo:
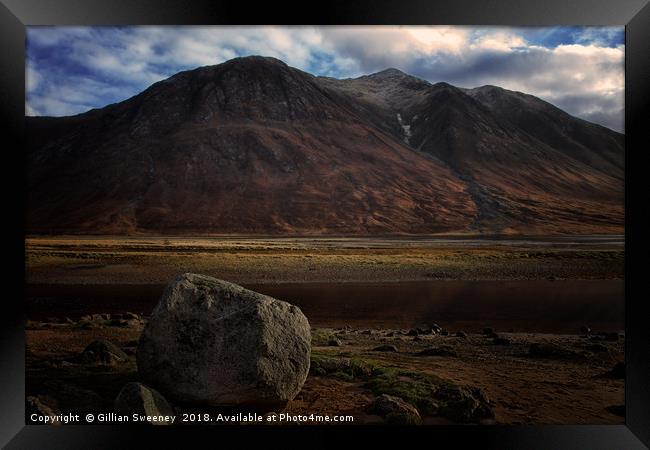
123 260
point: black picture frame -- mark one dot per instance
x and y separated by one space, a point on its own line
634 14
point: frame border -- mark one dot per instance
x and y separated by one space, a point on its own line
15 15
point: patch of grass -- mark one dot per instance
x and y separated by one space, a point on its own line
413 387
321 337
348 369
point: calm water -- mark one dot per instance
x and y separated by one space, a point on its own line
541 306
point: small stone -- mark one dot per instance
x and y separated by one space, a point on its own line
443 350
395 410
130 316
597 348
385 348
42 405
464 403
618 410
103 352
326 364
618 371
136 398
72 397
552 351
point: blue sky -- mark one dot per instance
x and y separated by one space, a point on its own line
70 70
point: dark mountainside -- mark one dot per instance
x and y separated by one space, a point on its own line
255 146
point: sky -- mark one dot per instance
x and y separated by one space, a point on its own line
70 70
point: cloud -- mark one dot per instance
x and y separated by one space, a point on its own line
580 69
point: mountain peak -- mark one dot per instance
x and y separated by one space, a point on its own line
390 72
444 85
256 59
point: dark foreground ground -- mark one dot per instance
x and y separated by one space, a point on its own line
568 381
528 370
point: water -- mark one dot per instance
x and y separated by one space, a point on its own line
561 306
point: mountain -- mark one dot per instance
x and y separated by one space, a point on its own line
255 146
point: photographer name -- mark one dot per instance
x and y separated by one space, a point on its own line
101 418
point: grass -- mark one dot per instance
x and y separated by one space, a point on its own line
431 395
413 387
348 369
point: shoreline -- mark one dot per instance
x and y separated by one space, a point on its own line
530 306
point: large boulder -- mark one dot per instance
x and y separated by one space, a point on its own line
215 343
136 398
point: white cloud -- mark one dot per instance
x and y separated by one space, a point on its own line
32 78
88 67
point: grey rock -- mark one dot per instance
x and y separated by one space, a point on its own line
130 316
618 371
72 397
385 348
395 410
42 405
136 398
553 351
618 410
597 348
443 350
213 342
463 403
103 352
326 364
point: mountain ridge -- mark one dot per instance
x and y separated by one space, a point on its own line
255 146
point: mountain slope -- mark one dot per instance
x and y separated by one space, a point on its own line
249 146
255 146
528 165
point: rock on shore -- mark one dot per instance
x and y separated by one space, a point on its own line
213 342
136 398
